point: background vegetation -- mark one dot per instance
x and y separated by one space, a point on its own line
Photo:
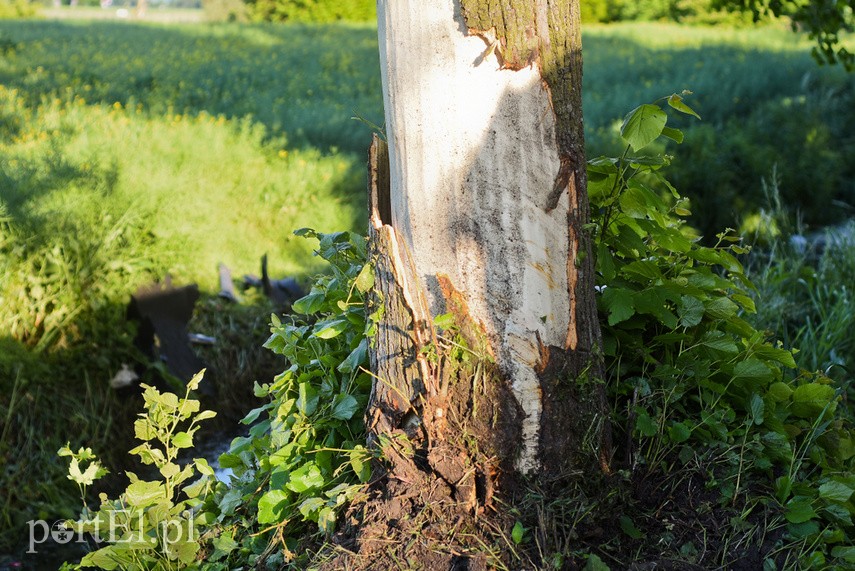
129 150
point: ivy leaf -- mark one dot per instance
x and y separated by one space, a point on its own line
643 125
309 304
365 279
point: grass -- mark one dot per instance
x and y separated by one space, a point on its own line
130 150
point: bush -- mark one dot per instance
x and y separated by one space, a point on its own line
318 11
16 9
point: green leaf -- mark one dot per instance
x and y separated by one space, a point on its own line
308 398
809 400
141 493
270 506
104 558
690 311
356 358
444 320
721 308
757 408
679 432
595 564
344 406
799 510
331 328
675 135
645 425
628 527
643 125
306 477
780 392
676 102
517 533
846 553
752 370
365 279
835 492
182 440
618 303
309 304
310 506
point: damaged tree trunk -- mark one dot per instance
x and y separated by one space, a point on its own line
478 213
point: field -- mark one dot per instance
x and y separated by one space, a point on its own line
129 151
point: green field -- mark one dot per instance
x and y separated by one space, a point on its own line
129 151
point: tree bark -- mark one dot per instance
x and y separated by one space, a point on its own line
478 210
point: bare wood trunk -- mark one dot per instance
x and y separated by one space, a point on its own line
477 210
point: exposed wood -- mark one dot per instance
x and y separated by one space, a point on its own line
487 188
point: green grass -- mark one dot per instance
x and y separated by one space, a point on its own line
130 150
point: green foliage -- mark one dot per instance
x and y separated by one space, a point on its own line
764 103
319 11
826 22
151 525
10 9
304 457
700 385
694 11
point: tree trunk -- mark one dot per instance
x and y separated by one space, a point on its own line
478 210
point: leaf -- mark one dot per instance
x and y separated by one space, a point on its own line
645 425
780 392
310 506
270 506
618 303
142 494
365 280
331 328
308 398
305 477
169 469
752 369
835 492
193 384
628 527
595 564
846 553
356 358
799 510
675 135
344 406
758 408
182 440
309 304
517 533
102 559
676 102
690 311
143 430
809 400
679 432
721 308
643 125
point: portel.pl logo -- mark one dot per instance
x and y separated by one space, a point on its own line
117 531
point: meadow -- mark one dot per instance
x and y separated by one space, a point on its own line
129 151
